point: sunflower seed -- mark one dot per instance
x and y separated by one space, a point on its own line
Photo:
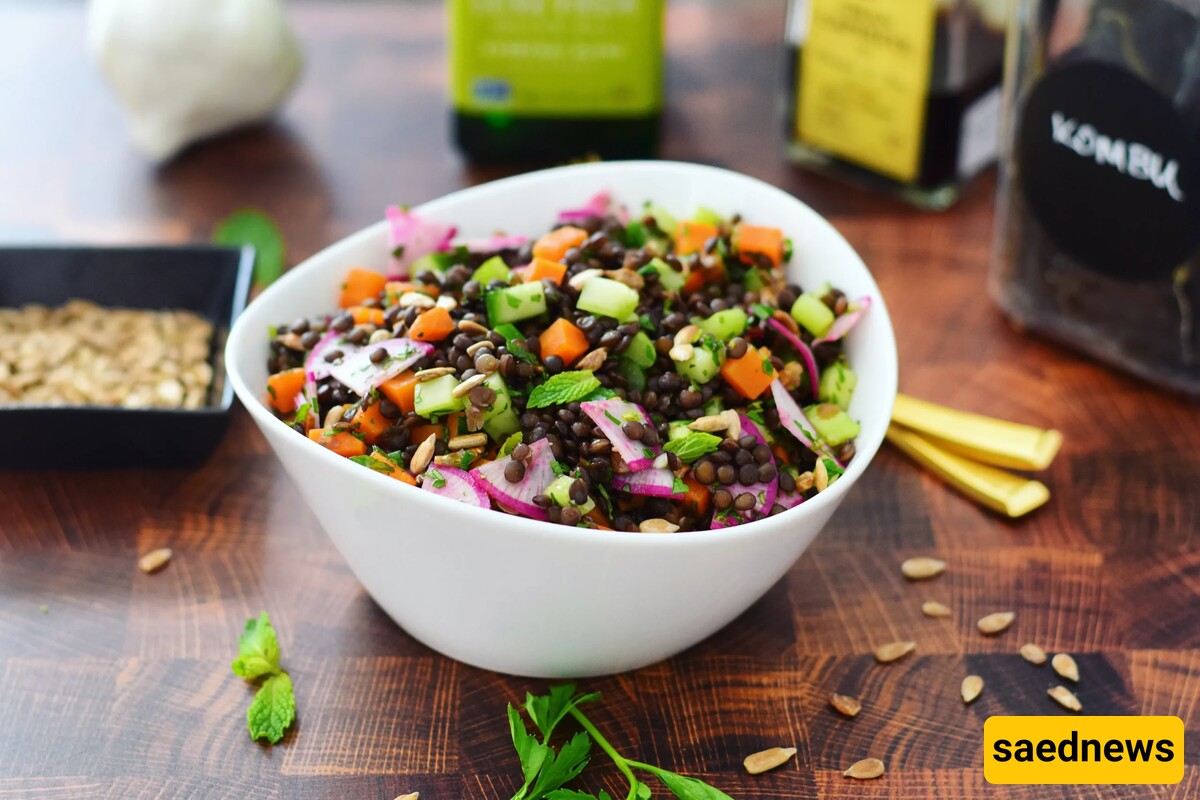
661 461
412 796
932 608
804 481
381 335
893 651
468 440
687 335
483 345
733 424
471 327
580 278
821 475
466 386
657 526
1066 667
334 415
710 424
845 704
430 374
474 418
423 456
681 352
865 770
593 360
972 685
922 568
447 302
759 763
996 623
1033 654
416 300
1063 696
154 560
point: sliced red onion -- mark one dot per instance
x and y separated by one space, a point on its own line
652 482
842 325
315 366
609 415
457 485
810 363
518 497
764 492
359 374
491 244
792 418
596 206
414 236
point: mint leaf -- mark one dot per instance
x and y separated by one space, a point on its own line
693 446
685 788
603 393
248 226
511 443
565 387
548 710
258 649
373 463
273 709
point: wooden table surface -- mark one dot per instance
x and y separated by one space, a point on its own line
120 687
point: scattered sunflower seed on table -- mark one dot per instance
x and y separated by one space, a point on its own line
922 568
1065 698
1066 667
972 685
932 608
1033 654
996 623
865 770
887 653
758 763
154 560
845 704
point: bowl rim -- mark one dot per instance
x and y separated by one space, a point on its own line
866 450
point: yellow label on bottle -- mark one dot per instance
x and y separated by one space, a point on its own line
864 81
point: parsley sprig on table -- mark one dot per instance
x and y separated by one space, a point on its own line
273 709
546 770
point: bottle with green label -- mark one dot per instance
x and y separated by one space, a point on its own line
553 80
902 96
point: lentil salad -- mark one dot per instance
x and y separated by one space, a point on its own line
642 374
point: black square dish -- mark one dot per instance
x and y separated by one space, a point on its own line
213 282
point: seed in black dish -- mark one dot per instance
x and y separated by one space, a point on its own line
634 430
358 336
726 474
748 475
514 471
744 501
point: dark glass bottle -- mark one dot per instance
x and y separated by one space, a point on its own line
901 97
552 80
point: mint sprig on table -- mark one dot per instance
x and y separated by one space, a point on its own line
273 709
546 770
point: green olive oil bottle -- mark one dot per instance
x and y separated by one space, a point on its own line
555 80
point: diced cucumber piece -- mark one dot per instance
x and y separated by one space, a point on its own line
708 217
700 368
492 270
503 401
635 376
713 407
435 262
672 280
662 218
812 313
503 425
516 303
678 429
726 324
433 398
559 491
831 423
606 297
641 350
837 385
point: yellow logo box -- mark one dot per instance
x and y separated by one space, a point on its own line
1033 750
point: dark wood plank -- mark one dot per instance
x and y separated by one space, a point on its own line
121 687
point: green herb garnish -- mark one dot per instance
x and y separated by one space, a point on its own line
693 446
565 387
252 227
273 709
370 462
439 480
511 443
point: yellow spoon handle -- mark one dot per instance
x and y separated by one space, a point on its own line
996 489
991 441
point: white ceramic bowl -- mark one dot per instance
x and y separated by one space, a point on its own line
527 597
